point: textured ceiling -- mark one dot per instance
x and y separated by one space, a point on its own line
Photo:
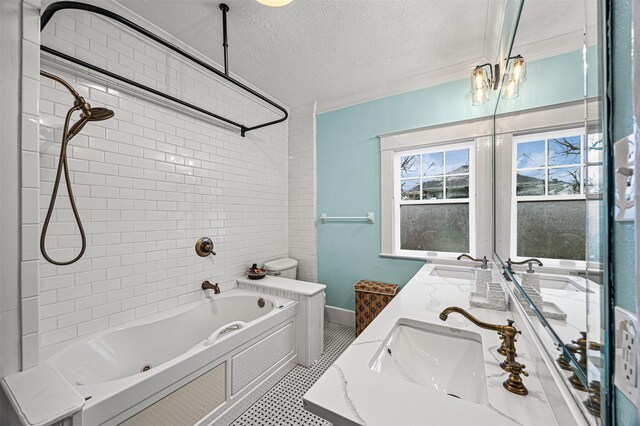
547 22
320 50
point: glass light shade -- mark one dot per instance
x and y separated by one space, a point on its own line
518 70
274 3
511 90
479 86
479 80
479 97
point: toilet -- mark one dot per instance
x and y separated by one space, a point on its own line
283 268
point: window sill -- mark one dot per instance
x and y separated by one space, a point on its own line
427 259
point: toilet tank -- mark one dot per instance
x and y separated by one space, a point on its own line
284 268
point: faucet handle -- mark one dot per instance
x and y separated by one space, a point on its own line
518 368
514 383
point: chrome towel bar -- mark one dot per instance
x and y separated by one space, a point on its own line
370 218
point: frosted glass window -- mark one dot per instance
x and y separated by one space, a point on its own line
435 227
554 172
552 229
433 199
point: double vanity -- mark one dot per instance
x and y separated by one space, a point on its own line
410 367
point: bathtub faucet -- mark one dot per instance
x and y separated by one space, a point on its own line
206 285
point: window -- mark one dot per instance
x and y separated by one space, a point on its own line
554 173
433 199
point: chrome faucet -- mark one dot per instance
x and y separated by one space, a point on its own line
530 263
507 334
206 285
485 262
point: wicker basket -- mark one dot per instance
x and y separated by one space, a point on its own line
371 298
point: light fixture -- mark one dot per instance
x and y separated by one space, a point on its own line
516 75
274 3
479 85
486 77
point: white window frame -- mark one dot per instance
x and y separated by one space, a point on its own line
397 199
479 131
531 137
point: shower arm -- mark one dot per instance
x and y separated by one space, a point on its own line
79 100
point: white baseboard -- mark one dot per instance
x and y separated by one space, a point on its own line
340 316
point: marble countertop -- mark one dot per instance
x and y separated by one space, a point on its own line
349 392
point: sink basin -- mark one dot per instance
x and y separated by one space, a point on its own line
453 272
560 283
444 359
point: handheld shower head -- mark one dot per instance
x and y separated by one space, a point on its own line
87 114
91 114
99 114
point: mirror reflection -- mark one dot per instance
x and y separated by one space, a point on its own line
548 169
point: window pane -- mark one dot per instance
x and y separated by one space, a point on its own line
432 188
457 161
530 182
410 166
432 164
595 148
410 189
564 151
458 186
552 229
435 227
593 183
565 180
530 154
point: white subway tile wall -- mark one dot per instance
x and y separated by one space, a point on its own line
30 193
149 182
302 194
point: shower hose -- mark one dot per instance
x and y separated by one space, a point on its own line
62 165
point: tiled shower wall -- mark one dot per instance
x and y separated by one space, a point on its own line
302 192
149 182
19 62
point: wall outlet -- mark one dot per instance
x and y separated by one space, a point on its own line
626 362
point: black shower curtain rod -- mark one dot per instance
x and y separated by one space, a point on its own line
62 5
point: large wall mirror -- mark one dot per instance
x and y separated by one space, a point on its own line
548 176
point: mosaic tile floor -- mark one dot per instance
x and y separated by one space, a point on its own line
282 404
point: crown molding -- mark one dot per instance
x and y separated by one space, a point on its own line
420 81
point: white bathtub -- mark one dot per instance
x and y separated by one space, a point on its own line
177 346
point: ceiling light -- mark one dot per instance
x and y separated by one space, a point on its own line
275 3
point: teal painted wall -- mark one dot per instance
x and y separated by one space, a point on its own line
622 125
348 161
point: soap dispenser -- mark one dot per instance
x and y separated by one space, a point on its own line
483 276
531 278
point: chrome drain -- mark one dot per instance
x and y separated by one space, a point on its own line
145 367
261 302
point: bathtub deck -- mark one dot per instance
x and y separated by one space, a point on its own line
282 404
